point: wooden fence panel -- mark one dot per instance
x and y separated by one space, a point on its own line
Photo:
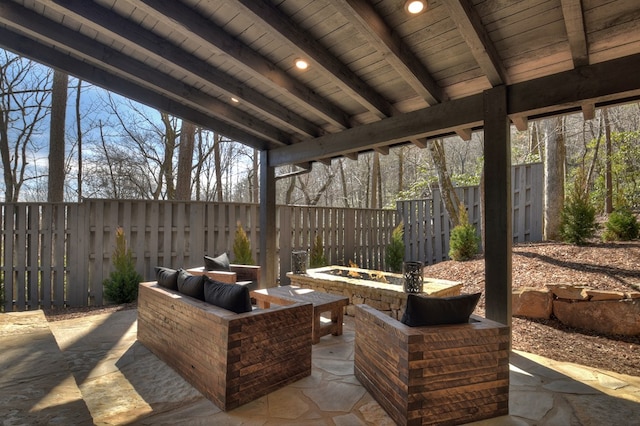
423 230
59 254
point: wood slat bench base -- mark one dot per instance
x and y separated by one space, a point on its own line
230 358
436 375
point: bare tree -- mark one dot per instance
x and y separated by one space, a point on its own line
24 95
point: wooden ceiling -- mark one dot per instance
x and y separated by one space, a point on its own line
377 76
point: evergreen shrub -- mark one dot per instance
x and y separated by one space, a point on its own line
317 258
621 226
578 216
242 247
122 284
395 250
463 241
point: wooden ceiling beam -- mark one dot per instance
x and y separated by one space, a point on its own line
288 31
605 82
28 22
433 121
475 35
380 35
464 133
117 84
94 16
383 150
184 19
521 123
574 22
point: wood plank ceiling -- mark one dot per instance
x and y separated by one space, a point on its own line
377 76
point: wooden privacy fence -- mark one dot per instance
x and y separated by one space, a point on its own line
59 254
427 226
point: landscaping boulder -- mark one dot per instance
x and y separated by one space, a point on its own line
607 316
532 302
567 291
595 295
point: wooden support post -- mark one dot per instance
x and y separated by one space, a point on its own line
497 199
268 256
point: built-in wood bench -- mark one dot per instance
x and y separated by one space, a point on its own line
448 374
230 358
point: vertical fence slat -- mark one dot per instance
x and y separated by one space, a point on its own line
46 254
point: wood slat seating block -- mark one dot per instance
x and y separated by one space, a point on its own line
431 375
230 358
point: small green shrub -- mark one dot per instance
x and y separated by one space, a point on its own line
463 241
122 284
317 258
578 217
395 250
621 226
242 247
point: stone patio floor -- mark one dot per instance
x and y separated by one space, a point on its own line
92 370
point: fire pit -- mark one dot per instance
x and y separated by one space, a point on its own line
381 290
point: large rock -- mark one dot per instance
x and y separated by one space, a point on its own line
532 302
567 291
608 317
595 295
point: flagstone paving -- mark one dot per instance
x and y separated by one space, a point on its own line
92 370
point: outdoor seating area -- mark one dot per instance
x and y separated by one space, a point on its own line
96 372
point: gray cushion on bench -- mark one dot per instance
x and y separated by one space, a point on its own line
167 277
191 285
439 310
233 297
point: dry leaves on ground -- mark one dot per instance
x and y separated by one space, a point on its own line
611 266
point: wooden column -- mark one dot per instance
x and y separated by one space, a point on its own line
497 199
268 259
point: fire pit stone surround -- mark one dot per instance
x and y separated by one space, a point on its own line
380 290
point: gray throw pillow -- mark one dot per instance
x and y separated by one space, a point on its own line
232 297
191 285
219 263
167 278
439 310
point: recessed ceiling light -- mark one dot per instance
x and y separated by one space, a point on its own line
234 100
415 6
301 64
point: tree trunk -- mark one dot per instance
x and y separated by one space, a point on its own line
167 162
447 191
534 140
55 192
255 190
400 154
554 163
185 161
375 179
79 131
217 160
343 180
608 181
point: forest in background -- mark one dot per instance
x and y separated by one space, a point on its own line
62 139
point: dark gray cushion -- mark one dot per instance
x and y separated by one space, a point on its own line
439 310
191 285
167 278
220 263
232 297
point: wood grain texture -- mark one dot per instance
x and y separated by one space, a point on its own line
450 374
230 358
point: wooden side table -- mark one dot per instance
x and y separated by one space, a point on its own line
322 302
